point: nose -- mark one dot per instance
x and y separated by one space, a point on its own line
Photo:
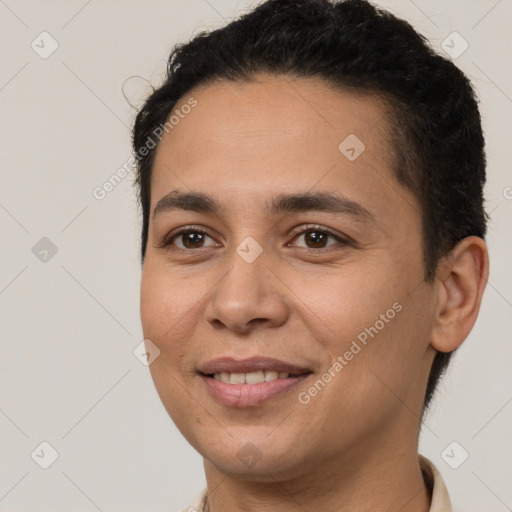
247 297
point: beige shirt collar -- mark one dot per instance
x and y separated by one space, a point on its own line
440 500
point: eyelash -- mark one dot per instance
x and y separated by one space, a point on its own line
167 242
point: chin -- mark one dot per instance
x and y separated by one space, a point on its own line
251 455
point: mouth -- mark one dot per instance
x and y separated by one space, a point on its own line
250 378
250 382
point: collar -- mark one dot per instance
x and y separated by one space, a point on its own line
440 501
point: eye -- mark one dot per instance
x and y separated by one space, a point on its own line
189 238
316 237
192 238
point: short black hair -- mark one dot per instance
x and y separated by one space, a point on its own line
435 123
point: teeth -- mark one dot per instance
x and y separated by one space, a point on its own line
237 378
250 378
254 377
270 376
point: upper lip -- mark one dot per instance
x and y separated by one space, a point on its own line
252 364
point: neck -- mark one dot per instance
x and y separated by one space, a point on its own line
386 477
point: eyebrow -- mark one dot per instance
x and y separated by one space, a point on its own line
283 203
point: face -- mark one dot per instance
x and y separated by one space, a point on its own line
296 261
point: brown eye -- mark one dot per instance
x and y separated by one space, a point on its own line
189 239
192 240
318 239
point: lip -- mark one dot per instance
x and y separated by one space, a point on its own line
250 395
252 364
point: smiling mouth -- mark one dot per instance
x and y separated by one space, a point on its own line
253 370
256 377
242 390
250 382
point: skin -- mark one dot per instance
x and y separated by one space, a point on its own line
354 445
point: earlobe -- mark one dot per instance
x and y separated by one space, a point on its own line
461 281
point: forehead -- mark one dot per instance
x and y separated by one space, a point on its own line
278 134
230 116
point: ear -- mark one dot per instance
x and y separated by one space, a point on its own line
460 283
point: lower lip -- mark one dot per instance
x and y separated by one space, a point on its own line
249 395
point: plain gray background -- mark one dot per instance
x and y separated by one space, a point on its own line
70 320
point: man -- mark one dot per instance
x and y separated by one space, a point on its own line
313 251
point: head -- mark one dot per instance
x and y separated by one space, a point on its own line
341 119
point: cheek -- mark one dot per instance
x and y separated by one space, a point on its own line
168 309
384 359
167 315
346 303
375 324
